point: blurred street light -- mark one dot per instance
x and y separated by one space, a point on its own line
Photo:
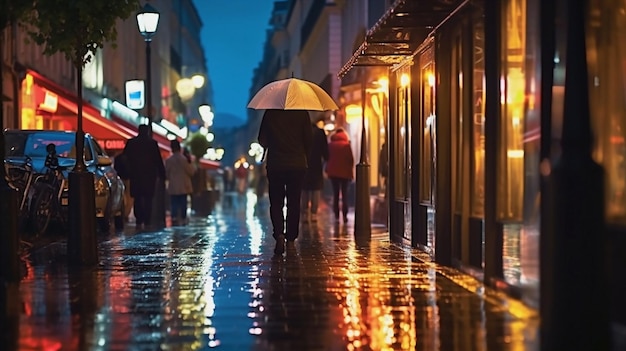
197 80
256 151
210 137
206 114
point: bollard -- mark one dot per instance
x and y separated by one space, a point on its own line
9 261
10 309
82 246
362 220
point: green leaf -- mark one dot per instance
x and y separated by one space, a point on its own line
198 145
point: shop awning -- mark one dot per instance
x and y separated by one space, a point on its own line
103 129
208 164
93 123
96 125
400 31
164 143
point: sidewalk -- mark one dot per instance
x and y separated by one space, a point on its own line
216 284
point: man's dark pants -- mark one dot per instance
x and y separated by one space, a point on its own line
143 209
281 184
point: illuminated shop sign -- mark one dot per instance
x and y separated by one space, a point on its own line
112 144
135 94
50 102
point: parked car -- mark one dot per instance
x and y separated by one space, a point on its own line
29 146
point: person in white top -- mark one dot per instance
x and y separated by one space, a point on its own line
178 172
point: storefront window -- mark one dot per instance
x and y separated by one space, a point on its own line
428 124
512 102
456 106
478 122
607 69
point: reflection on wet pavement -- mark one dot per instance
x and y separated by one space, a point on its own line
215 284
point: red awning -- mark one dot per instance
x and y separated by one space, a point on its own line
96 125
103 129
208 164
164 143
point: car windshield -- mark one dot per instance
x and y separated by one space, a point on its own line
34 144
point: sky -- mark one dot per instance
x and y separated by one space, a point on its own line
233 35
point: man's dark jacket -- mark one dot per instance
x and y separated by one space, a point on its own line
314 178
146 163
286 136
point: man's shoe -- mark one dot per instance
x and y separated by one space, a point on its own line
280 245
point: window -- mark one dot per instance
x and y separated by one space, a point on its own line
512 101
402 151
428 125
478 123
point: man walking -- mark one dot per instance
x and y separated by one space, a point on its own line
286 137
146 168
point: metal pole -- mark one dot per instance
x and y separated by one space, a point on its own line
82 245
362 220
575 311
158 205
148 84
9 263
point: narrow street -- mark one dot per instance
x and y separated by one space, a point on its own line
215 284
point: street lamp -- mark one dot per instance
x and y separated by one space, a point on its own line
148 21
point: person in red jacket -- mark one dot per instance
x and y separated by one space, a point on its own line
340 170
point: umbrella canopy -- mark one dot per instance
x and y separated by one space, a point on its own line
292 94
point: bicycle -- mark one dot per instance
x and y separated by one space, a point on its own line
48 197
20 176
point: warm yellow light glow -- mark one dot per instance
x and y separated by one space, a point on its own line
383 83
185 88
515 153
431 79
405 80
353 113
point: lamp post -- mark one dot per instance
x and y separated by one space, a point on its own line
9 261
362 216
148 22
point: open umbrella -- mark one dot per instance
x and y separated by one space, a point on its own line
292 94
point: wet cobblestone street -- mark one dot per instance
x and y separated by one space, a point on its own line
215 284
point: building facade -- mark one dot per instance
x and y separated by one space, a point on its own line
482 124
40 91
468 102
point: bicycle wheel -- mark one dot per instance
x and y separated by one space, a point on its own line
42 209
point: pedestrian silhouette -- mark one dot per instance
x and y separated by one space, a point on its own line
286 135
146 168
